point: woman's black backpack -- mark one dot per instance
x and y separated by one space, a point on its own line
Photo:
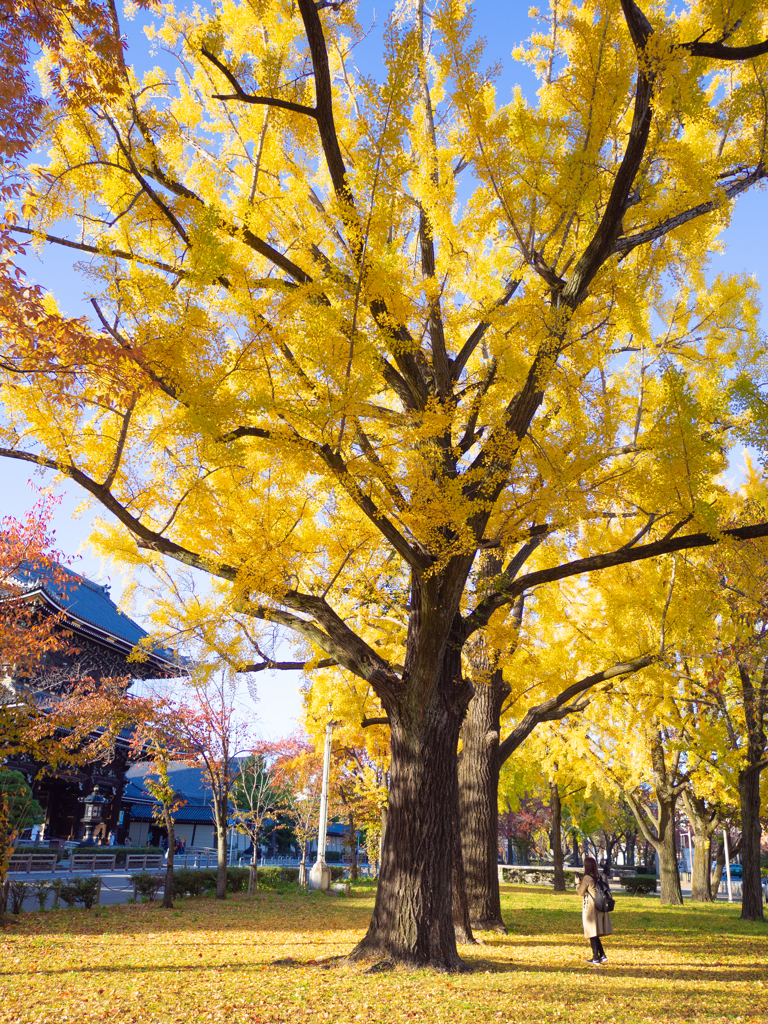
604 902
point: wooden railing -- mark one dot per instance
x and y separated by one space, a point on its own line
30 862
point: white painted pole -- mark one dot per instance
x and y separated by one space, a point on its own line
728 865
322 838
320 875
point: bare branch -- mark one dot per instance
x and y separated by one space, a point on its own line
244 97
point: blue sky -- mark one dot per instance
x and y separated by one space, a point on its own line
503 25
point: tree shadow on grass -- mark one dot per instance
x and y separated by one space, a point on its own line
668 972
704 920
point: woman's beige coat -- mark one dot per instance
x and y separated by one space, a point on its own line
594 923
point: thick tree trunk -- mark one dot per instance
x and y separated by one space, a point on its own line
168 887
478 800
671 891
557 835
412 920
751 890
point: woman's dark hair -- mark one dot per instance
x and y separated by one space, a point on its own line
590 867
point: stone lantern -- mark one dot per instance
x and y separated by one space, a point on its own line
94 807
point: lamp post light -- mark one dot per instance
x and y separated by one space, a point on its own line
728 864
94 806
320 873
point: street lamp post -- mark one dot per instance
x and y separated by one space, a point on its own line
320 873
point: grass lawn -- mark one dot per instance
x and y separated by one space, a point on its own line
209 961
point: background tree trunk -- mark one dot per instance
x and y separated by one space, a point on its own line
717 874
671 891
557 835
462 924
168 887
478 799
701 887
220 815
751 890
253 881
352 840
704 821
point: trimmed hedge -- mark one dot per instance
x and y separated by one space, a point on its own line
639 885
520 875
200 881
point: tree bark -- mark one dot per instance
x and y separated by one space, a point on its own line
168 887
751 890
412 920
352 841
704 821
220 814
462 924
478 800
755 712
253 881
701 885
671 890
557 836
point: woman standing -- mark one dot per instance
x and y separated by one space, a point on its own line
595 922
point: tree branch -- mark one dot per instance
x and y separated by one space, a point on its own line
83 247
333 460
479 617
609 228
476 336
717 51
626 245
557 707
244 97
145 537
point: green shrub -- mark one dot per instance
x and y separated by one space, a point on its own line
187 882
237 879
639 885
196 881
40 890
270 877
17 893
81 890
147 884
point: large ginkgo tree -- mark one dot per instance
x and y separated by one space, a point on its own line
349 334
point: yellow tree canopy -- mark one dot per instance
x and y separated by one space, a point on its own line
349 333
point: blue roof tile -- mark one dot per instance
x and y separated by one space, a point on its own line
91 604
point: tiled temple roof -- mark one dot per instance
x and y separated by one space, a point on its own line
89 607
